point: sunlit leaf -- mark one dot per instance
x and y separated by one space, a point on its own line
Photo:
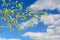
0 29
29 14
6 13
11 29
3 1
14 21
17 15
23 16
27 9
45 14
19 28
37 9
20 7
12 11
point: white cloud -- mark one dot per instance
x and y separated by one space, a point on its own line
9 39
42 36
53 31
51 19
46 4
2 39
14 39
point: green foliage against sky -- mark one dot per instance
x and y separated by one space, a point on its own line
11 16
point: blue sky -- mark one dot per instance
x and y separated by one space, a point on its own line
40 27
